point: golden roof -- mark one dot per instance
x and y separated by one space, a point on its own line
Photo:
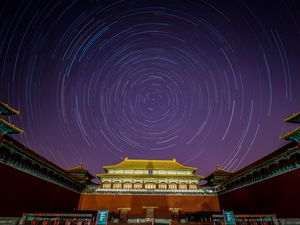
145 164
79 168
219 169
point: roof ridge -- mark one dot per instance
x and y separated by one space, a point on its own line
80 166
149 163
156 160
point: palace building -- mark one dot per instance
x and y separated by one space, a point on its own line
138 188
143 191
81 174
134 174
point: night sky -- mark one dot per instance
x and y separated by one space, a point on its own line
206 82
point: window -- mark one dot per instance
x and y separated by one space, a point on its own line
193 186
138 186
162 186
150 186
117 185
173 186
127 186
182 186
106 185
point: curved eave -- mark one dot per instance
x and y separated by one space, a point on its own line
295 118
77 169
153 176
90 175
289 135
214 174
128 164
150 168
220 171
9 110
13 128
78 173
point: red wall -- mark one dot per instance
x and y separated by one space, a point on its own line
21 192
136 203
279 195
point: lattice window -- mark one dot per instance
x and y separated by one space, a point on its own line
173 186
193 186
127 186
150 186
106 185
117 185
163 186
183 186
138 186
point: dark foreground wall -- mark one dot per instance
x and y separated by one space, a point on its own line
279 195
21 192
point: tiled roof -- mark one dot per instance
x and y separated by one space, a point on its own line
291 135
79 168
220 170
141 164
8 128
152 176
295 118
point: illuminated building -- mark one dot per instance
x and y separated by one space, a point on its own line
143 189
135 174
217 177
82 175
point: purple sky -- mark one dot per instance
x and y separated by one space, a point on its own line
206 82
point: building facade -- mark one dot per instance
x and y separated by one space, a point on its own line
133 174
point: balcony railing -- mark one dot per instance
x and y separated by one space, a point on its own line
201 191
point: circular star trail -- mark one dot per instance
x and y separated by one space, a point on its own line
208 83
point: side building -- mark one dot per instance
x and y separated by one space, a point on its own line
269 185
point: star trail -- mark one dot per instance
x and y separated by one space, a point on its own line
206 82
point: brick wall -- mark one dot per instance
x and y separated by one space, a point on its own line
136 203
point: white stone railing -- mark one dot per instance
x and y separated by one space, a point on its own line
201 191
